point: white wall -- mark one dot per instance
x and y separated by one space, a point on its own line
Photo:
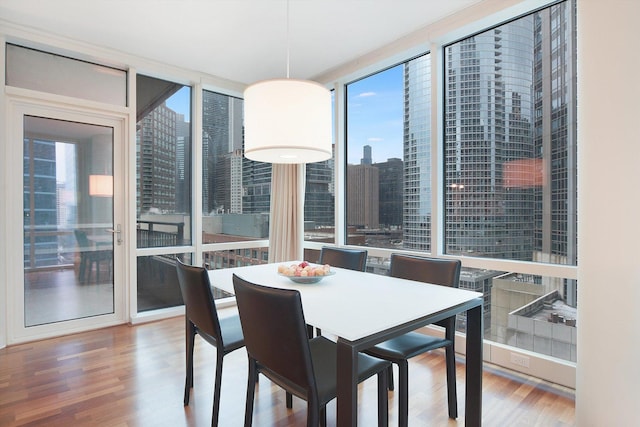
608 371
3 221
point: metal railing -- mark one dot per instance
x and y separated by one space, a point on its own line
151 234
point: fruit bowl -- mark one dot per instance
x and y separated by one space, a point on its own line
304 272
307 280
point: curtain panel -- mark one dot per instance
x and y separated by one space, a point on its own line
286 221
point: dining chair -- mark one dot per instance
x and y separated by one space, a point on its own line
400 349
278 347
353 259
90 257
202 319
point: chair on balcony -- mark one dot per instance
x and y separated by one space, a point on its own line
399 350
91 257
353 259
202 319
278 347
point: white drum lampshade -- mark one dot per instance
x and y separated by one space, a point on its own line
287 121
101 185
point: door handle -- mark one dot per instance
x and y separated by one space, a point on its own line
118 232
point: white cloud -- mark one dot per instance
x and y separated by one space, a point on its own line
366 94
375 139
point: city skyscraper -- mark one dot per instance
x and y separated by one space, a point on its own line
222 139
41 212
366 155
156 160
390 192
319 194
183 165
417 155
363 207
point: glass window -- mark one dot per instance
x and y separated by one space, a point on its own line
510 146
158 281
225 258
388 181
236 192
510 174
163 163
319 198
525 311
46 72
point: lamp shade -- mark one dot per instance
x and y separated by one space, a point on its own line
287 121
101 185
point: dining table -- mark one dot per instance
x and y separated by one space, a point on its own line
363 309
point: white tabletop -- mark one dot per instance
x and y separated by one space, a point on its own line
352 304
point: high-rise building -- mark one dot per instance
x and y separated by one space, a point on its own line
319 196
390 191
417 155
363 208
256 186
183 165
40 212
555 236
156 161
366 155
222 139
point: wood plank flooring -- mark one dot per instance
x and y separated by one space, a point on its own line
134 376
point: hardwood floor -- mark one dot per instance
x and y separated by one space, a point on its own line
134 376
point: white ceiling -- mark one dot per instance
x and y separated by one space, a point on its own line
240 40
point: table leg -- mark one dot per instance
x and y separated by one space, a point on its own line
347 392
473 392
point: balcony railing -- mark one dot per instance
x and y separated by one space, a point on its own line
151 234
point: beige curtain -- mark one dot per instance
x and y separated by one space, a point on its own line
286 220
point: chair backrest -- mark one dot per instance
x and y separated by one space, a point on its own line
198 299
353 259
275 333
438 271
81 238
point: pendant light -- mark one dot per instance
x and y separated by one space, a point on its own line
101 185
287 120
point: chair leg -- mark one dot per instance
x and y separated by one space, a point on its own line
83 267
451 382
323 416
289 400
383 400
251 388
403 393
190 343
313 414
390 377
216 388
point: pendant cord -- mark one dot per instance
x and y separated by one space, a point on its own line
288 46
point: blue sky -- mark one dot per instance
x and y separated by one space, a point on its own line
180 102
374 114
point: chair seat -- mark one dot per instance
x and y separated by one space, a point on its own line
407 346
325 366
231 330
231 333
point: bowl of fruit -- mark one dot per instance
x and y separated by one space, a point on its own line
305 272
